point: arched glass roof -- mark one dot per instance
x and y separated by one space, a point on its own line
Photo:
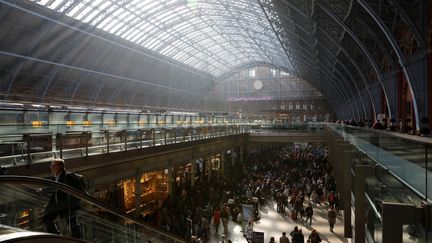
212 36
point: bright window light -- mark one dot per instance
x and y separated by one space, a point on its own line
212 36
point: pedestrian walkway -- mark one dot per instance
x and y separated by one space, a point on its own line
273 224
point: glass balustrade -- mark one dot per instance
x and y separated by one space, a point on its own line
400 173
25 203
407 159
43 146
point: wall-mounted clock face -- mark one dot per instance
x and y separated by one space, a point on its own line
258 85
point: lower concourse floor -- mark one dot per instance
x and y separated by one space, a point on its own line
273 224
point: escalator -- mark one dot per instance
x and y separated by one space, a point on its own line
22 205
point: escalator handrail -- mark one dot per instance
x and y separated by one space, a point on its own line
14 179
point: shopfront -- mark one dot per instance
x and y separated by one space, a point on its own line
151 187
212 168
183 178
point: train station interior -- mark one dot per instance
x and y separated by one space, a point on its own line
216 121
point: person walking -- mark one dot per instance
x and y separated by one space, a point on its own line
283 238
314 237
225 217
249 230
309 213
296 235
216 218
298 206
331 199
331 217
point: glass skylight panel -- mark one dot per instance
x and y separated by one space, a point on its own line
168 50
127 31
43 2
210 35
91 16
55 4
155 43
82 12
122 14
75 9
146 5
111 24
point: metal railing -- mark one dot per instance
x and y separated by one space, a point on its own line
24 200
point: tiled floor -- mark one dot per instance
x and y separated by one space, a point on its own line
273 224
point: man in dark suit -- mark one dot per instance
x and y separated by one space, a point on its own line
61 203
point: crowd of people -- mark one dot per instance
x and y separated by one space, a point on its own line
296 178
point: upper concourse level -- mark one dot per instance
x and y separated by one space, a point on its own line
362 60
398 163
32 136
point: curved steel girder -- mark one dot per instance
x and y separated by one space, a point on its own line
354 63
204 47
350 8
299 45
134 96
343 97
345 69
160 59
299 40
300 27
377 40
291 5
296 25
84 76
278 37
119 91
337 77
53 72
96 72
332 99
337 83
349 75
341 77
399 53
45 28
194 52
363 77
334 69
336 93
364 50
201 47
101 86
105 14
197 51
342 101
241 25
413 28
154 14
